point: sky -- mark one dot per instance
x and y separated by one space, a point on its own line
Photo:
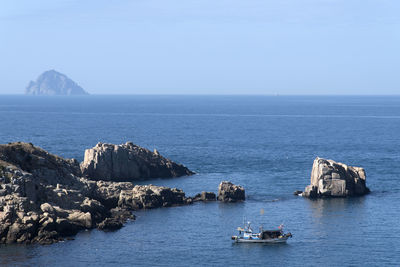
259 47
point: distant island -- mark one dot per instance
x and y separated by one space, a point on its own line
52 82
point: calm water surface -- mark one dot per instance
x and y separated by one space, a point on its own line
266 144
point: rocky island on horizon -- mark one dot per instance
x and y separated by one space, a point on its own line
52 82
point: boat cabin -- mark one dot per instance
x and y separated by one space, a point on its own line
267 234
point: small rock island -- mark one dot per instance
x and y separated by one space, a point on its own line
52 82
228 192
334 179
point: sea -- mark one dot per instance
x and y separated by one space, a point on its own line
267 144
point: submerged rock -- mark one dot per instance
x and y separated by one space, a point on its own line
334 179
128 162
54 83
297 192
228 192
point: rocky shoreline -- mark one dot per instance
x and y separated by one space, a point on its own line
45 198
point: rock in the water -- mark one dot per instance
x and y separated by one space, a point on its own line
297 192
54 83
150 196
110 224
228 192
118 217
205 196
334 179
128 162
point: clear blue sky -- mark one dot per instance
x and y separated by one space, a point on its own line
204 46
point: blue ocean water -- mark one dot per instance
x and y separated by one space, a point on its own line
267 144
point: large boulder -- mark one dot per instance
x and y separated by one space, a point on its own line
334 179
228 192
128 162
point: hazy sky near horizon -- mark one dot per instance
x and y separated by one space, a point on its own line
204 46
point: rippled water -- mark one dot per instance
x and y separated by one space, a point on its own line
266 144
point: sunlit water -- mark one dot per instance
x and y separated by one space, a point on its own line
266 144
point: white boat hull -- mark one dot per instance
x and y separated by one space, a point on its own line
272 240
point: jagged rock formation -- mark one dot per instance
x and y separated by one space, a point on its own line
334 179
128 162
228 192
43 198
54 83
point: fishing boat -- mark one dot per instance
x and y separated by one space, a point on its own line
246 235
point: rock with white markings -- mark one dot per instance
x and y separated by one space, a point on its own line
334 179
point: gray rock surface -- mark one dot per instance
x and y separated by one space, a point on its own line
150 197
205 196
334 179
43 197
54 83
228 192
128 162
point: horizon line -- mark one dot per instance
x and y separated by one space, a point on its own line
172 94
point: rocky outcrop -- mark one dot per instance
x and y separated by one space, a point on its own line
334 179
205 196
228 192
43 198
150 197
128 162
54 83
